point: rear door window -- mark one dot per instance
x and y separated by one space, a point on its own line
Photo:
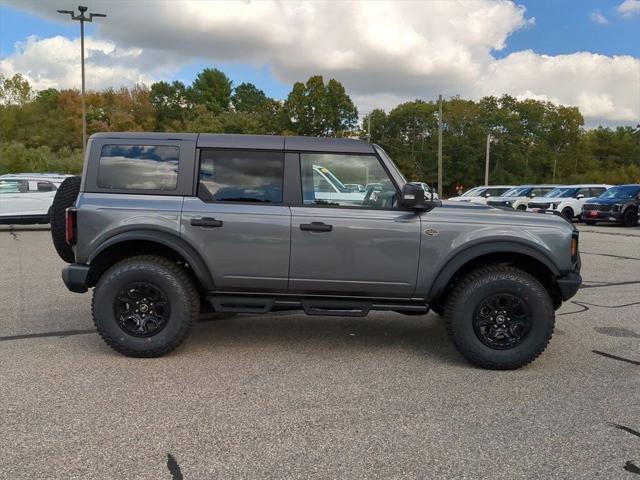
241 176
138 167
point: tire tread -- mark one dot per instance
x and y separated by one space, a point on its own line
454 299
184 281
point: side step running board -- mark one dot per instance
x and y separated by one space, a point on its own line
338 308
356 307
241 304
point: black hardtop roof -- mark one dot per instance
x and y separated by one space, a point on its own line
254 142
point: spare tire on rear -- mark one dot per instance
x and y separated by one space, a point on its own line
65 198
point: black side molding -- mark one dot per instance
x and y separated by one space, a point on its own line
569 284
75 277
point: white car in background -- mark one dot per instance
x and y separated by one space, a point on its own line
480 194
27 197
567 200
518 198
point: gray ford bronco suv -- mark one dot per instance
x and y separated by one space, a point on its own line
162 225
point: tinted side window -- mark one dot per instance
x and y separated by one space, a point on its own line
583 191
496 192
10 186
540 192
241 176
597 191
345 180
138 167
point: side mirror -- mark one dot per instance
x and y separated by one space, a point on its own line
414 196
487 195
579 196
533 195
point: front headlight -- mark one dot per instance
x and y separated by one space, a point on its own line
554 206
616 207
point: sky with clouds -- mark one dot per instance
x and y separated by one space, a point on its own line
580 52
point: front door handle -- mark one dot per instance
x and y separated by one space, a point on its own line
316 227
206 222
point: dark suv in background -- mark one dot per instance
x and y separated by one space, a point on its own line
618 204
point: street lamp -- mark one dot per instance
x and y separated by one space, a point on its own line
82 18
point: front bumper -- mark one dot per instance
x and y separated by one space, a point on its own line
599 216
75 277
569 284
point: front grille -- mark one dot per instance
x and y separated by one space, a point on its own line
539 205
599 208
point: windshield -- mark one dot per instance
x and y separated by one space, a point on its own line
474 192
562 192
621 192
517 192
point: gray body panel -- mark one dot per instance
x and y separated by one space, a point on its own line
250 251
462 226
367 252
104 215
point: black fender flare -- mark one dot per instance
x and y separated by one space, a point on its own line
169 240
477 250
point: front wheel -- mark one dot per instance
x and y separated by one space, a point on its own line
567 213
145 306
499 317
630 218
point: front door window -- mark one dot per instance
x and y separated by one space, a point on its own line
345 180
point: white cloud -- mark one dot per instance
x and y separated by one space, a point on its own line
55 62
597 17
629 8
384 52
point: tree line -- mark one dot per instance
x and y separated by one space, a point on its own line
531 141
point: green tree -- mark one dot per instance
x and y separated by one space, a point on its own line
171 104
316 109
247 98
212 88
15 90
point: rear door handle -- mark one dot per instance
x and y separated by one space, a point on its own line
206 222
316 227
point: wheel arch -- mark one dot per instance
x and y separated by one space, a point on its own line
526 257
129 244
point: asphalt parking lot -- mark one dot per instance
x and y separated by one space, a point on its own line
290 396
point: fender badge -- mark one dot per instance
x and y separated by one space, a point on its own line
431 232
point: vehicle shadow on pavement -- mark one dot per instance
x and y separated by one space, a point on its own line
424 335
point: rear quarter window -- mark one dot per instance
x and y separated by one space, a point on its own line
138 167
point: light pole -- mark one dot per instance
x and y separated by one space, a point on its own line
486 161
82 18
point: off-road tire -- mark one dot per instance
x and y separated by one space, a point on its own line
568 213
179 289
65 197
630 217
490 280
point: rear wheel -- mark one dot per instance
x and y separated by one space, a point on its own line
499 317
630 217
522 207
65 197
145 306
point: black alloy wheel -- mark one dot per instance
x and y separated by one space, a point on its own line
141 309
502 321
